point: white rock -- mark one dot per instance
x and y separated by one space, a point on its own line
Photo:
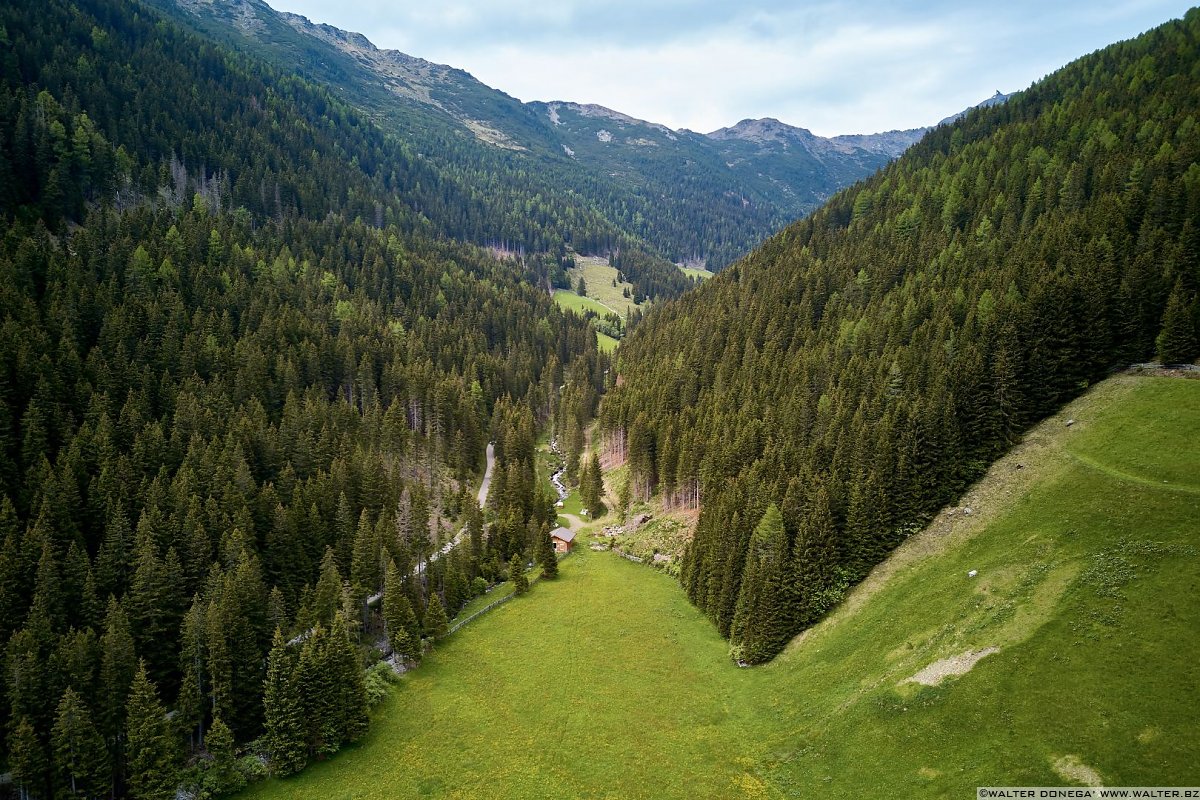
972 573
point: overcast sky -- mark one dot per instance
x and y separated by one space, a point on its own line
832 67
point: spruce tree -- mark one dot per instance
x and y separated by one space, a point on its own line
585 486
343 663
1177 342
398 618
436 623
592 486
221 775
191 703
27 760
328 595
81 766
546 555
153 762
760 620
317 690
364 565
516 574
283 710
118 665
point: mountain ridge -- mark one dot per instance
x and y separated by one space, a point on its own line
683 195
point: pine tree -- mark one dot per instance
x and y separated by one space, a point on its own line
475 530
317 690
148 603
585 486
1177 341
516 574
152 752
221 775
328 595
592 486
398 618
283 709
813 555
546 555
118 665
191 702
81 764
760 620
343 663
28 762
364 566
436 623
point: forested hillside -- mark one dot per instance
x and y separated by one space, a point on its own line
242 387
824 396
540 176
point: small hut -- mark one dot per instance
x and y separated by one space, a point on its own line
563 538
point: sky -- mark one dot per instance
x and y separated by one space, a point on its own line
832 67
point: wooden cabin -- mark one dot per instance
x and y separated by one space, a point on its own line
563 538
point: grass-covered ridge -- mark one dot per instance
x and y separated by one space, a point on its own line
607 683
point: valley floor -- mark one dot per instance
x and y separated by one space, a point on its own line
607 683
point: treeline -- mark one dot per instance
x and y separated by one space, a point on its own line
241 392
832 391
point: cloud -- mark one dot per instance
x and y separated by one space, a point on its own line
833 66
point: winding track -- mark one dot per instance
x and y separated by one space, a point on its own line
481 496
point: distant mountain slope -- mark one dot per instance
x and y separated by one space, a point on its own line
612 180
866 364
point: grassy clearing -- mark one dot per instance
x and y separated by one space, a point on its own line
692 272
603 297
599 277
569 301
607 683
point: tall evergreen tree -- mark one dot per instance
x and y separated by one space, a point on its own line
1177 342
81 764
760 621
546 555
221 775
591 486
283 709
344 664
153 759
516 574
398 619
118 666
28 762
437 624
327 597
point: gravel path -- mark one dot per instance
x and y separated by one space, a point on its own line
458 537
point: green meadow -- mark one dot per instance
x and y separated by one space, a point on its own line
607 683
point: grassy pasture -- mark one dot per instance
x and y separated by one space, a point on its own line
608 683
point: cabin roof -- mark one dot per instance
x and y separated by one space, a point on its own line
566 534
